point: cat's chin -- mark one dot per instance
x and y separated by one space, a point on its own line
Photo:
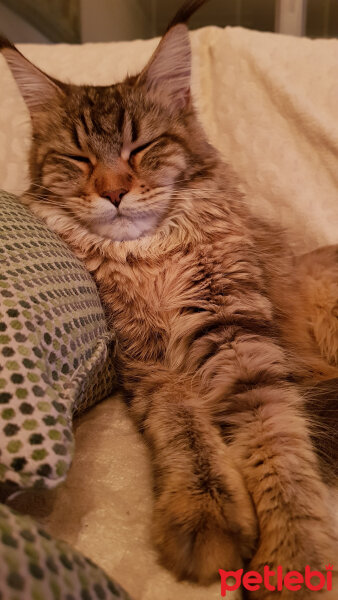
123 229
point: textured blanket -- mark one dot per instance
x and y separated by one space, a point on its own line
269 103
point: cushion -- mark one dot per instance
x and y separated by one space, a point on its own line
35 566
54 348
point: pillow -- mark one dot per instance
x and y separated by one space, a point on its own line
55 349
35 566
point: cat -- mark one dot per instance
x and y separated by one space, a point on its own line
214 346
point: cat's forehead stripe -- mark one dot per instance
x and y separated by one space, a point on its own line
130 135
134 129
76 137
84 123
120 118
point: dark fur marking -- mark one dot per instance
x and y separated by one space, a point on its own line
143 419
75 137
84 124
210 354
120 118
267 476
206 482
258 463
184 13
260 380
214 327
135 130
242 325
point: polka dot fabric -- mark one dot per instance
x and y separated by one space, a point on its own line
34 566
55 357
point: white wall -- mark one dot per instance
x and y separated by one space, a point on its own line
18 30
105 20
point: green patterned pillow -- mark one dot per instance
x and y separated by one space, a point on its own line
34 566
54 349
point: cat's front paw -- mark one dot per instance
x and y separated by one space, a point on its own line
198 533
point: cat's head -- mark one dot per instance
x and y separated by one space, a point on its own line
115 158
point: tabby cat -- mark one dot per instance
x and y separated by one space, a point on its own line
213 340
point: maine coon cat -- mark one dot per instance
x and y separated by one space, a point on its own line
214 346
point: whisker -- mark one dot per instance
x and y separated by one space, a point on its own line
50 203
40 186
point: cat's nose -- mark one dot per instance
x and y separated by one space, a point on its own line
115 196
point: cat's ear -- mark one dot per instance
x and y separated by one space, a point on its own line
169 69
36 87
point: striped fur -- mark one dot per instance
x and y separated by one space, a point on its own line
215 338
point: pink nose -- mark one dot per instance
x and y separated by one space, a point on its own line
115 196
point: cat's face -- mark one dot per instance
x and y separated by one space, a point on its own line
116 157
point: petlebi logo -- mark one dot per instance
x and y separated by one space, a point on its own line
291 580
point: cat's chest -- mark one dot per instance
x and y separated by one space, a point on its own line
156 288
146 297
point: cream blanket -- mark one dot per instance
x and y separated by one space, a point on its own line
270 104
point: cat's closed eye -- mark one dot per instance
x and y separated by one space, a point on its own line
82 159
140 148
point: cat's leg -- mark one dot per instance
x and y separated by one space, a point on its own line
281 472
203 515
268 434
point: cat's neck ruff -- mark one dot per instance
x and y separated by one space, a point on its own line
165 239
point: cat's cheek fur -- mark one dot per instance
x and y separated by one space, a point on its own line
60 186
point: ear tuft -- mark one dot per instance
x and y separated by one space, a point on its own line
35 86
4 42
184 12
169 69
